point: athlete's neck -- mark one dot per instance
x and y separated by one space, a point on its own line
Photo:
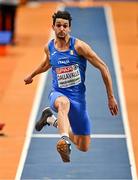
62 44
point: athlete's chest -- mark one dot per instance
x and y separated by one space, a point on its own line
60 59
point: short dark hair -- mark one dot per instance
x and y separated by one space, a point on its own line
63 15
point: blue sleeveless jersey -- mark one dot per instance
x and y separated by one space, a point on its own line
68 71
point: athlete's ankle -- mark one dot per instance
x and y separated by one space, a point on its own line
55 124
52 120
66 138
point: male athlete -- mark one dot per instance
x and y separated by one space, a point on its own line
67 56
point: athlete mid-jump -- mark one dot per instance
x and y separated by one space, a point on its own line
67 56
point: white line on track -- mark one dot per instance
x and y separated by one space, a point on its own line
112 38
95 136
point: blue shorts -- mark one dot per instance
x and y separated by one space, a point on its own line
78 116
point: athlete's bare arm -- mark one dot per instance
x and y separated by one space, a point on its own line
44 66
85 50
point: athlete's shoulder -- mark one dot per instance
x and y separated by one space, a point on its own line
48 45
80 46
50 42
80 43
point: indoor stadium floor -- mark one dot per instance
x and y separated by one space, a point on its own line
26 154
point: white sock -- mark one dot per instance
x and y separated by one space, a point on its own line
52 120
64 134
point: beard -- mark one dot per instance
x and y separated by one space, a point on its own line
61 35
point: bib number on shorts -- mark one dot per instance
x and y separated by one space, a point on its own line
68 76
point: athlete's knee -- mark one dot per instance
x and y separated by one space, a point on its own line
62 103
83 148
83 144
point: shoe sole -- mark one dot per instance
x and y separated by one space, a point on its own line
41 123
62 148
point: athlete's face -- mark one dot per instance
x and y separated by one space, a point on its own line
61 28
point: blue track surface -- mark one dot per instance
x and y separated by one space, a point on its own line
108 157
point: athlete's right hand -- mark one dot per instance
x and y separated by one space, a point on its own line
28 79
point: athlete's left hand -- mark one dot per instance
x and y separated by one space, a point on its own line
112 103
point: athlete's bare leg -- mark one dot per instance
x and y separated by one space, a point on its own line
82 142
62 104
